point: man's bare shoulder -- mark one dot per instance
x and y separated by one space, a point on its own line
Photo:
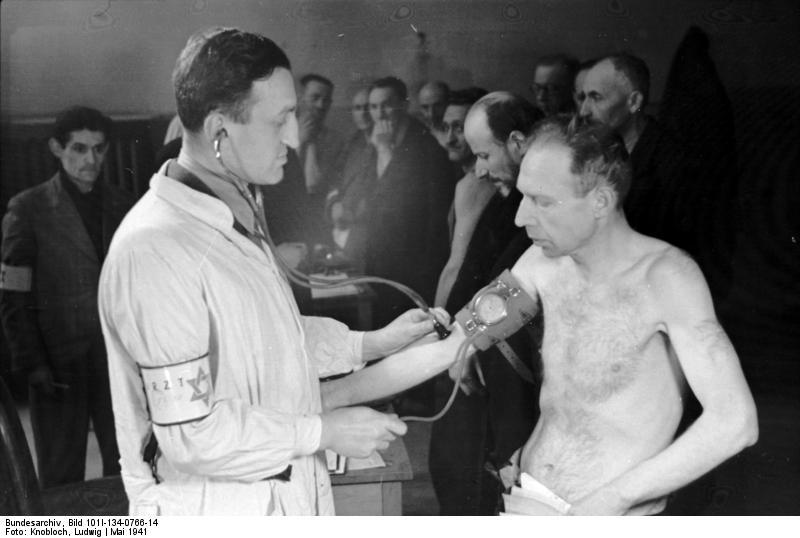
533 268
677 286
671 266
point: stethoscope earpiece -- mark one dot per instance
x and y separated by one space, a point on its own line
217 142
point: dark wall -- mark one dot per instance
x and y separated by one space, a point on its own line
117 56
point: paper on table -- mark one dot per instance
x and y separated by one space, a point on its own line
336 462
372 461
348 289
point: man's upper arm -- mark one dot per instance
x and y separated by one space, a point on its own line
525 269
705 353
16 286
19 249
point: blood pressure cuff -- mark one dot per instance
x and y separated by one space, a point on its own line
178 393
497 311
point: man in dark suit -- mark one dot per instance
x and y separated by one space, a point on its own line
408 186
55 236
411 188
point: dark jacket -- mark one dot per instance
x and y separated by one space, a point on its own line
54 322
406 214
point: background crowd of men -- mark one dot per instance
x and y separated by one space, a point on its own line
428 200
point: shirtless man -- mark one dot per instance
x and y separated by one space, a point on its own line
628 323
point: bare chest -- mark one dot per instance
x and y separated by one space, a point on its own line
596 338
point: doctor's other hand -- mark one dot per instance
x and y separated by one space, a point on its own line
357 432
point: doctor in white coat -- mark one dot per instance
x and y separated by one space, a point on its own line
208 354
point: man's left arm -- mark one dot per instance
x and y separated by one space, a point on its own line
728 422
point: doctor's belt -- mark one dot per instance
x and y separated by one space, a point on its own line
150 454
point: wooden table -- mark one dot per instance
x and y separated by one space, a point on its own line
374 492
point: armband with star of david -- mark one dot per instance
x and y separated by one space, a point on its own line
178 393
15 278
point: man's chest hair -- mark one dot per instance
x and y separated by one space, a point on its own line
596 336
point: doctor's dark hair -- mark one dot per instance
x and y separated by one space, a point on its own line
78 118
598 153
507 112
216 71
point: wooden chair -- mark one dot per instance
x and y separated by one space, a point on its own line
20 493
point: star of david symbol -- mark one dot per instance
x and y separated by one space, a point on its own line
198 394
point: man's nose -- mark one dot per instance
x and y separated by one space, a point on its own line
290 132
584 109
91 157
524 216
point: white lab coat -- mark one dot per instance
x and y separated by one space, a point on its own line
179 282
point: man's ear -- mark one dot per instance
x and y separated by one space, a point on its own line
605 200
214 126
635 101
516 144
55 148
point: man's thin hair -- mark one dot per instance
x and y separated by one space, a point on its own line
441 85
314 77
598 152
635 70
507 112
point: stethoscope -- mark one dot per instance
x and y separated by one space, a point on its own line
312 282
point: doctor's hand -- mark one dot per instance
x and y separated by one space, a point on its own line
406 329
382 135
308 126
357 432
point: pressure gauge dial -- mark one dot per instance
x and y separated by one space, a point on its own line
490 308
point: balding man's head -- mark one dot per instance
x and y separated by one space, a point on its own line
497 129
507 112
432 102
